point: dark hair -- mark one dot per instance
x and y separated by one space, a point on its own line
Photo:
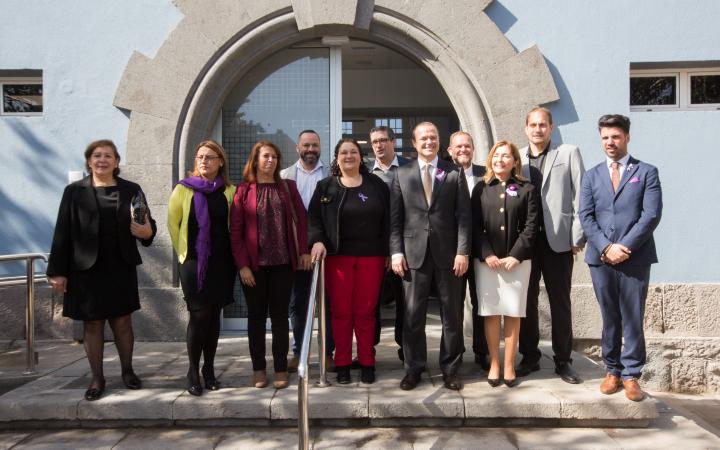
335 167
101 143
615 121
383 129
250 171
220 151
308 131
541 109
425 124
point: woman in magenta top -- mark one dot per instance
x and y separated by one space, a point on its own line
268 230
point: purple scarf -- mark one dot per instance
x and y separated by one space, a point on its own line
201 188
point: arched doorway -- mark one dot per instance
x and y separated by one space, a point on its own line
174 100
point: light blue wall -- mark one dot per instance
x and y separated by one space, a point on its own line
589 46
82 48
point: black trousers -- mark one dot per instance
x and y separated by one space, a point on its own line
391 289
556 270
479 343
417 285
271 294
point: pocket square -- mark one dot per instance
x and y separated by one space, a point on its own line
634 180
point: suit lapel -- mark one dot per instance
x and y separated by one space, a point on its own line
549 161
441 173
416 181
630 170
525 162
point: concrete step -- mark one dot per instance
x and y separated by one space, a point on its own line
541 400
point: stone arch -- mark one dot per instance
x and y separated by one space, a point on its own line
174 97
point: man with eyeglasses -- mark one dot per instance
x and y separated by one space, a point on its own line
386 163
306 172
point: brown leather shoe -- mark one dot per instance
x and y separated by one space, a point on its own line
632 389
259 378
611 384
281 380
293 364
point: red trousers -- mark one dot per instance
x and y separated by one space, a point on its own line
353 284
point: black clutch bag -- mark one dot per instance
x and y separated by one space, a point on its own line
138 208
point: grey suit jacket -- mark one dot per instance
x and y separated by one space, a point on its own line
560 195
444 226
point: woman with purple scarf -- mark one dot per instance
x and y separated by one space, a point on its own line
198 214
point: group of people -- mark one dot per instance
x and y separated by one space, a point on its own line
410 229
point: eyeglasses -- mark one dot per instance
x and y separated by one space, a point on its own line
380 141
206 158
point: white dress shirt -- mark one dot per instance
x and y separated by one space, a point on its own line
621 168
470 178
307 180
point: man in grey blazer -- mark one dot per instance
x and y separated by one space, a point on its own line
556 172
430 233
462 152
306 173
386 162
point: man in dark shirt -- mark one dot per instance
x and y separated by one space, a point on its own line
556 172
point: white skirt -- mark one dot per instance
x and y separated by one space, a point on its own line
502 293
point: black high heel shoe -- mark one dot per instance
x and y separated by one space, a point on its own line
211 383
93 394
193 385
494 382
511 383
131 380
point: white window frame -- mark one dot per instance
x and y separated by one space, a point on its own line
682 88
699 106
19 80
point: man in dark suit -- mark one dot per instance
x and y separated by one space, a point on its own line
620 206
386 162
430 233
462 151
556 172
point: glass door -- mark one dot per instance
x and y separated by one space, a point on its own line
289 92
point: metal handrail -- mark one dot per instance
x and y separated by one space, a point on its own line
29 259
317 292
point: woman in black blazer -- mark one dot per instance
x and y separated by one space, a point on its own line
504 208
94 257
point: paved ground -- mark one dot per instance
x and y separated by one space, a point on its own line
683 421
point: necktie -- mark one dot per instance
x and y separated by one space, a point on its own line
615 175
427 183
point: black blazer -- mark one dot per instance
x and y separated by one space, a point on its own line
326 205
504 224
443 226
75 242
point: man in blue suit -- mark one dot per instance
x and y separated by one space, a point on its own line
620 206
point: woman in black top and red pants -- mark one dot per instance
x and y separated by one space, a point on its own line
349 221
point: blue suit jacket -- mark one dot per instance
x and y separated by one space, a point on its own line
627 216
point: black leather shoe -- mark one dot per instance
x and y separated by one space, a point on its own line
343 375
567 373
524 369
511 383
211 382
410 381
93 394
482 361
193 385
494 382
453 382
367 374
131 380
